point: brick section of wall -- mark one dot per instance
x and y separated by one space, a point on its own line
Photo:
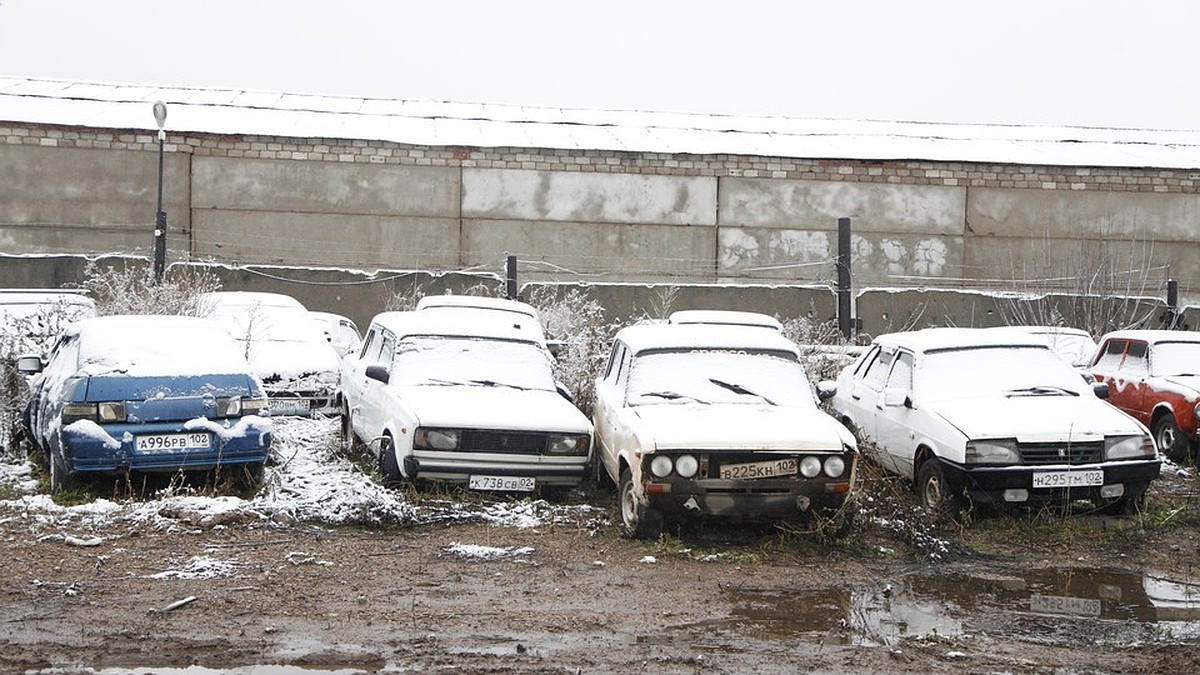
956 174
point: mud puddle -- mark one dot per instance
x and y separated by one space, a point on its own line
1110 607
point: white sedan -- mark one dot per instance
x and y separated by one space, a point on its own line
993 416
715 420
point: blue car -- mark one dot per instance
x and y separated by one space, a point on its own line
148 394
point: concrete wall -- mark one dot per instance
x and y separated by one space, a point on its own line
597 216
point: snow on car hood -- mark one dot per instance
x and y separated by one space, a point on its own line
1033 419
1188 385
739 427
276 361
481 407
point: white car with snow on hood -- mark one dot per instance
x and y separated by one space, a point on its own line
465 398
284 345
993 417
715 420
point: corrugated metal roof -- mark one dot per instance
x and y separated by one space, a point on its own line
238 112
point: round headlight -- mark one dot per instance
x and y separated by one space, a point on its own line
660 466
834 466
810 467
687 466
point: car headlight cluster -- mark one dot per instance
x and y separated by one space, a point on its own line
567 444
237 406
436 439
1129 447
685 466
993 451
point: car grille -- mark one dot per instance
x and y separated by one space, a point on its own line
479 440
1061 453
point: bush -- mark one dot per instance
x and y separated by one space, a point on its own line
577 321
131 289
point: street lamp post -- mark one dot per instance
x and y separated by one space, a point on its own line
160 217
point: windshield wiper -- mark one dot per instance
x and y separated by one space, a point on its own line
1044 390
493 383
671 396
739 389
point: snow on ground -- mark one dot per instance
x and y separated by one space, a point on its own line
477 552
307 481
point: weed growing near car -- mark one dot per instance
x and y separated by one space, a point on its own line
132 289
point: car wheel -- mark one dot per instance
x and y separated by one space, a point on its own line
637 521
389 468
933 490
1169 439
61 480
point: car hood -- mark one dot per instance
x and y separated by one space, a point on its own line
280 361
739 427
1189 383
493 408
1034 419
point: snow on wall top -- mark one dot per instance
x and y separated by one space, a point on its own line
241 112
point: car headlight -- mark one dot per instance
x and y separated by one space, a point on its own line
436 439
660 466
254 406
229 407
111 411
573 444
994 451
687 466
73 412
835 466
1128 447
810 466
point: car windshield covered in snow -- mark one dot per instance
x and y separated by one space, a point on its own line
997 371
443 360
747 376
1175 358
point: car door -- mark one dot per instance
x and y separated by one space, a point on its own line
894 417
1135 371
606 411
373 405
353 379
62 368
866 390
1109 370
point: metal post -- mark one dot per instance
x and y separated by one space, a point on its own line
1173 318
845 321
512 277
160 216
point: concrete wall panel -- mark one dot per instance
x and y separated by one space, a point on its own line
589 197
1061 213
74 186
817 205
1134 267
627 250
325 239
324 187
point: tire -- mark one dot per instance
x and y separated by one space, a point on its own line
637 521
934 492
389 468
1169 439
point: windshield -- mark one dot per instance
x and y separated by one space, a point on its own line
719 376
997 371
432 360
1175 358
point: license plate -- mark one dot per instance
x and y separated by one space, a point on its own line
289 406
769 469
173 442
1058 604
502 483
1068 479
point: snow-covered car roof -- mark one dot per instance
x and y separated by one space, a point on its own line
214 299
702 336
331 318
24 302
462 324
934 339
1154 335
473 302
156 345
724 317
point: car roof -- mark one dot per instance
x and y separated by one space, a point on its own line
476 302
1153 335
41 296
247 299
936 339
462 324
137 344
1046 330
648 337
332 318
724 317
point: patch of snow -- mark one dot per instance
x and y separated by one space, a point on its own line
89 429
200 567
648 560
477 552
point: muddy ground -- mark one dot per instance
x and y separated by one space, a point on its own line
1045 592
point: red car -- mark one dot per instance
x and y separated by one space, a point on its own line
1154 375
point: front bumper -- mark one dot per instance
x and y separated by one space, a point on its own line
91 453
760 497
458 467
1010 484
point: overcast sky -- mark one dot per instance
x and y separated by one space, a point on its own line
1059 62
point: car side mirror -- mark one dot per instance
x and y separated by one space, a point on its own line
379 374
896 398
564 391
29 364
826 389
1100 389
